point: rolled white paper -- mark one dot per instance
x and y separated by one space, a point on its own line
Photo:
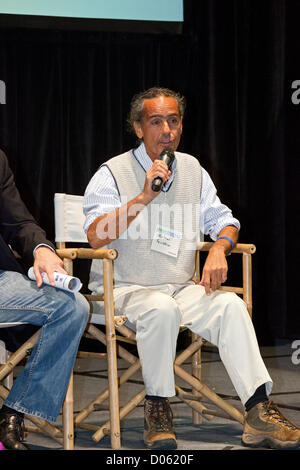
62 281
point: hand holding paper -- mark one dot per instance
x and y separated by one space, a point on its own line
61 280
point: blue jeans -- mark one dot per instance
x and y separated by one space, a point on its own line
40 388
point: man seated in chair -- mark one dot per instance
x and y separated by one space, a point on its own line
155 234
40 388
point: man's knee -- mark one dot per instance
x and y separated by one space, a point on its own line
80 306
82 303
70 305
162 309
235 306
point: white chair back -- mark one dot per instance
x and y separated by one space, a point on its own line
69 218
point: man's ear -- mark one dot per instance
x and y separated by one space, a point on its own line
138 129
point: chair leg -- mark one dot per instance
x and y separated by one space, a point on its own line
196 371
68 417
112 366
4 356
247 282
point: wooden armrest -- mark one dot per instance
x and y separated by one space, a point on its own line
70 253
100 253
87 253
247 248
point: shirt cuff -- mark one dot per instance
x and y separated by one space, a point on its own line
43 244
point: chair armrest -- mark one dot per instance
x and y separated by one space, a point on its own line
70 253
247 248
87 253
99 253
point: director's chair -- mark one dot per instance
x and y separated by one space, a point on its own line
69 221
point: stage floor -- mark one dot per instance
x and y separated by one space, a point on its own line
217 434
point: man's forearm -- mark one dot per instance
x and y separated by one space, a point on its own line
109 227
215 268
230 232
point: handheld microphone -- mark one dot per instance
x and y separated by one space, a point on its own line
166 156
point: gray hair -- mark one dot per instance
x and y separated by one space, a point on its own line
137 103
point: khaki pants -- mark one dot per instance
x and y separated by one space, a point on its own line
156 313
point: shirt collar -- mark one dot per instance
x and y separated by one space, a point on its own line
146 162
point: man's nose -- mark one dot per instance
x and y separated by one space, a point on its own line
165 127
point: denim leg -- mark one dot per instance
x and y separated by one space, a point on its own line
40 388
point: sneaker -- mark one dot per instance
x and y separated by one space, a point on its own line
265 426
158 419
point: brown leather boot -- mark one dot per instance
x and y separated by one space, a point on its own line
265 426
158 423
11 432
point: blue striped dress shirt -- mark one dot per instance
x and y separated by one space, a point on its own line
102 196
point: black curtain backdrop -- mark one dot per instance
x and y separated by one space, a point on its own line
68 94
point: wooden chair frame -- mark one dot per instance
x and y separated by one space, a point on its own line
194 379
110 338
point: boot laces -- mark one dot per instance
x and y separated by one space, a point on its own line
161 415
272 412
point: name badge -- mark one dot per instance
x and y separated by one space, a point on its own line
166 241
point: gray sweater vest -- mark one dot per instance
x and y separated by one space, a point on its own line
177 210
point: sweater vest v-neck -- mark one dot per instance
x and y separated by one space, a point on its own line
176 210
